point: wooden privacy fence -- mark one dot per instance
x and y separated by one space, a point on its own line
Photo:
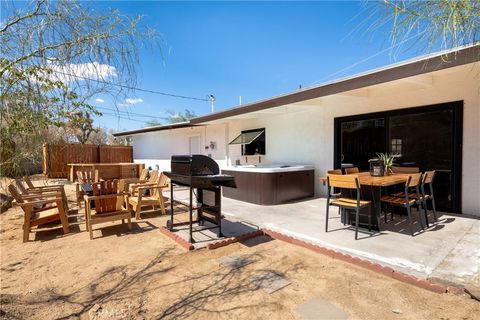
56 157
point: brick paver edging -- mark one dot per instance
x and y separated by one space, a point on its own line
184 243
387 271
227 241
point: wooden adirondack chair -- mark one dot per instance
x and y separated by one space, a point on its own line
107 205
88 176
35 216
152 180
141 179
24 192
31 188
139 200
126 182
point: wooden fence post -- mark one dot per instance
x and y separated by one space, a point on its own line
46 160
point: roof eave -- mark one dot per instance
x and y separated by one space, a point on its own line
399 71
154 128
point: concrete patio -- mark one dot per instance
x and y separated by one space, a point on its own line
448 251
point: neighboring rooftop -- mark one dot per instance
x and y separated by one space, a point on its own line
419 65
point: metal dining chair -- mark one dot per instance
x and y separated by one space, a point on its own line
412 187
428 180
351 170
346 182
396 169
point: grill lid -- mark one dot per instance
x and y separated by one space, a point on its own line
194 165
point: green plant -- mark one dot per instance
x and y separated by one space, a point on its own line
55 57
430 25
387 160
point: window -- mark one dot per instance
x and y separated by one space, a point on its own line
397 146
252 141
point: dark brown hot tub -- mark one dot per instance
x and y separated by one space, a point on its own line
271 184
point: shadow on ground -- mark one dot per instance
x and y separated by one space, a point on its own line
124 293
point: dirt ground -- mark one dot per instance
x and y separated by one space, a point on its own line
144 275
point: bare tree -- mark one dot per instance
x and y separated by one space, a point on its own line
99 136
54 57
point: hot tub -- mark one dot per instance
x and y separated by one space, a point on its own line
269 184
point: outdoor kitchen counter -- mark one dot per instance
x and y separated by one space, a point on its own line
270 184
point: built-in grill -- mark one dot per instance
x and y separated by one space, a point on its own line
203 174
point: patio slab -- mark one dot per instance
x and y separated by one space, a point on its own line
269 281
462 261
447 251
235 261
231 227
319 309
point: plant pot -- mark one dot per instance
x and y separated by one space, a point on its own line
376 168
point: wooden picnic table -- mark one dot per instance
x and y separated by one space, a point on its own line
371 190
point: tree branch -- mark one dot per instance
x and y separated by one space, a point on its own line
27 16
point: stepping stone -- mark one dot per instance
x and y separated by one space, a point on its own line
270 281
234 261
318 309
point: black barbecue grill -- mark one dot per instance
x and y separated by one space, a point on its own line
203 174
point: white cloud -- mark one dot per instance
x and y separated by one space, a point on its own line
81 71
133 100
99 100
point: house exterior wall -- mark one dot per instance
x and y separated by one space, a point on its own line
156 148
307 136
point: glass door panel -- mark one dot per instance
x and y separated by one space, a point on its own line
425 140
427 137
361 140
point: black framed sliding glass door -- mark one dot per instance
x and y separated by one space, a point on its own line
426 137
361 140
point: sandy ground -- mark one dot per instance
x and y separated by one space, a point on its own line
143 274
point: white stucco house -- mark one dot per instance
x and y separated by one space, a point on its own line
426 109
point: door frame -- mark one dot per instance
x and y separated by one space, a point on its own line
457 112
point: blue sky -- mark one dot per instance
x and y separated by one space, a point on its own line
255 50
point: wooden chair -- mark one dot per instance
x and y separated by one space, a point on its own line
24 192
31 188
143 175
151 180
35 216
405 169
335 171
28 182
336 192
87 176
142 179
408 200
428 180
107 208
351 170
346 182
139 200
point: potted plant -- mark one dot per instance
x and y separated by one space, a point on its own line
387 160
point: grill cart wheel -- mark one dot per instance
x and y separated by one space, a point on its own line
169 225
